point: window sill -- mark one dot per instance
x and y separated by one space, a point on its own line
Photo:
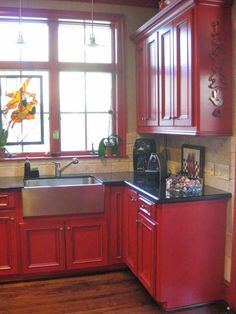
61 157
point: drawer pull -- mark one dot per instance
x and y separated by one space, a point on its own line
68 228
61 229
144 210
12 218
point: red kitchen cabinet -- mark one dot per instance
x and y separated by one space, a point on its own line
42 245
130 229
194 94
146 252
63 244
86 242
147 73
115 201
140 239
9 248
190 253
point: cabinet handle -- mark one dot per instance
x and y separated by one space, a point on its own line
12 218
68 228
61 229
143 209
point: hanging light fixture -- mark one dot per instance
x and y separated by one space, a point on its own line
20 39
92 39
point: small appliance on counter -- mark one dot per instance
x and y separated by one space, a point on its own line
143 148
156 171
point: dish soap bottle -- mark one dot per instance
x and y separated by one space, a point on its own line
27 168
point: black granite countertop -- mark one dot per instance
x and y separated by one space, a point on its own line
155 192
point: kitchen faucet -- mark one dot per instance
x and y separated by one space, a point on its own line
59 170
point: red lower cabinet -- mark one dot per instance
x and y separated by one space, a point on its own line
51 245
115 204
43 246
130 230
147 252
8 246
9 239
86 243
190 253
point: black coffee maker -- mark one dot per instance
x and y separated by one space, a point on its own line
143 147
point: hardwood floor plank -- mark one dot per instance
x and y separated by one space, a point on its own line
110 293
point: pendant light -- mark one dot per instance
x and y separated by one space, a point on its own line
92 39
20 39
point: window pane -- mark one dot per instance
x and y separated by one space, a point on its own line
72 91
74 43
98 92
72 132
98 125
101 53
29 130
36 41
71 43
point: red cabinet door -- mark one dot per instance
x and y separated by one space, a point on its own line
8 246
131 230
116 197
147 86
86 242
182 44
166 74
43 248
147 252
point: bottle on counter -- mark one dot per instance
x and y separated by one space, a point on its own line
27 168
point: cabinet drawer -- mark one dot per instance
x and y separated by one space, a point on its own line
147 207
7 200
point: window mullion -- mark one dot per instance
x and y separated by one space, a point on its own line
54 86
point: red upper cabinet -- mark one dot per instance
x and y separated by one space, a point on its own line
147 84
192 62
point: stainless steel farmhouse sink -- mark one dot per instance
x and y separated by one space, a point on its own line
62 181
62 196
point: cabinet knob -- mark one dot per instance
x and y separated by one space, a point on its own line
137 221
12 218
68 228
61 229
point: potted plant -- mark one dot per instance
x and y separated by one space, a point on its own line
3 141
109 146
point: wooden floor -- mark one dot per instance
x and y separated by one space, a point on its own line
116 292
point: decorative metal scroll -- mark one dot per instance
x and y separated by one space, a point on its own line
218 78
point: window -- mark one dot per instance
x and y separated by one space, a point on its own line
81 98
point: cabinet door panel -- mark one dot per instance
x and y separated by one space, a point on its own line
146 253
166 75
86 243
43 248
151 112
183 70
131 230
116 224
8 246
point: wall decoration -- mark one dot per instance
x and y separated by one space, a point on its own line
192 160
21 105
218 78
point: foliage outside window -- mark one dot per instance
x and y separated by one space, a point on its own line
81 93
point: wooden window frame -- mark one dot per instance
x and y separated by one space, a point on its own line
54 66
